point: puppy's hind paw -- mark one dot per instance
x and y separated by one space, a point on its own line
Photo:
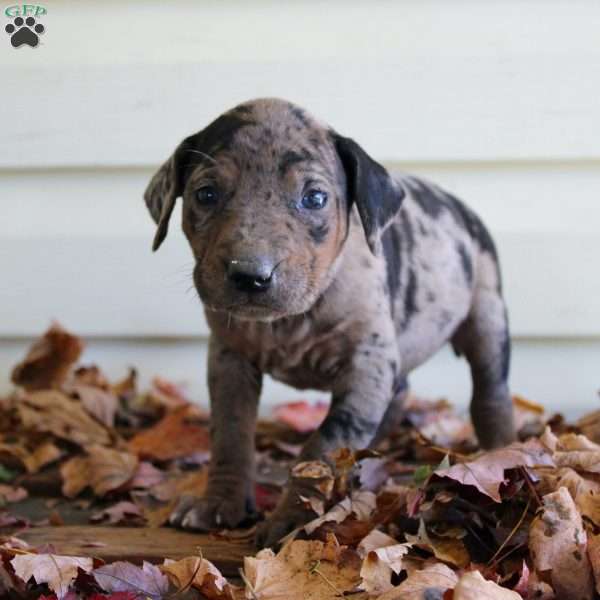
209 513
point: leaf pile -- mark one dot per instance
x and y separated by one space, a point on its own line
424 516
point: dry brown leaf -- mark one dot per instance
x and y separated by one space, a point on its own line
448 431
121 512
145 582
299 572
90 375
360 504
378 567
102 469
486 473
374 540
472 586
447 549
180 433
593 549
146 476
589 425
31 459
158 504
558 542
433 580
53 412
584 491
314 475
9 494
58 572
198 573
48 360
102 405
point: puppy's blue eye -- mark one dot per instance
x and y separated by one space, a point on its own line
207 195
314 199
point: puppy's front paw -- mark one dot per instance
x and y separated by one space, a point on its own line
283 521
209 513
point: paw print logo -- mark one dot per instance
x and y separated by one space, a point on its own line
24 31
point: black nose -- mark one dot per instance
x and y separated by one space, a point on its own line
250 275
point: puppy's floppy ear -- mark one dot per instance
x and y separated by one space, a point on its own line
164 188
369 185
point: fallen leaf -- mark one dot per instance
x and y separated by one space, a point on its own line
32 458
301 416
431 582
472 586
146 476
9 494
102 405
589 425
121 512
448 431
584 491
158 503
486 473
557 542
199 573
378 567
374 540
90 375
528 416
102 469
172 394
127 387
125 577
593 549
360 504
299 572
179 433
58 572
54 412
48 361
449 550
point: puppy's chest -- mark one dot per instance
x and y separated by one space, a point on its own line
296 353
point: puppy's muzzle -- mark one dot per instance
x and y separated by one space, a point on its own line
251 276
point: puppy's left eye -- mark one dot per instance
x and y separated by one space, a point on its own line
314 199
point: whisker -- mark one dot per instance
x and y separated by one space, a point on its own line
201 154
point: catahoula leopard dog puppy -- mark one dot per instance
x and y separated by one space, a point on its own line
318 267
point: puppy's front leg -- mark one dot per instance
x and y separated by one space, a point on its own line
360 399
234 386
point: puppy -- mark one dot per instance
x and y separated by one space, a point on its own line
318 267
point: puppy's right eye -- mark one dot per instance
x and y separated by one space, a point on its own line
207 195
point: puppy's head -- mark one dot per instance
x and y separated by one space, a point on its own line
267 193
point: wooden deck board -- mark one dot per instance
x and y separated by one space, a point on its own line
136 544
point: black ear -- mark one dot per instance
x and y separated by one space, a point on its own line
376 195
164 188
167 184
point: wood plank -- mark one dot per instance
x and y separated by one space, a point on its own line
114 286
475 109
138 544
502 87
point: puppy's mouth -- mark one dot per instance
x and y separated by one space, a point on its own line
248 309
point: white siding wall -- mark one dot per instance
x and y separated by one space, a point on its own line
498 101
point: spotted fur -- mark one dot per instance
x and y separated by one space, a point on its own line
352 296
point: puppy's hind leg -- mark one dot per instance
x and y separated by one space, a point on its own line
484 340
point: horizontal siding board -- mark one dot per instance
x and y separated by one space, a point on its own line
465 108
114 286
